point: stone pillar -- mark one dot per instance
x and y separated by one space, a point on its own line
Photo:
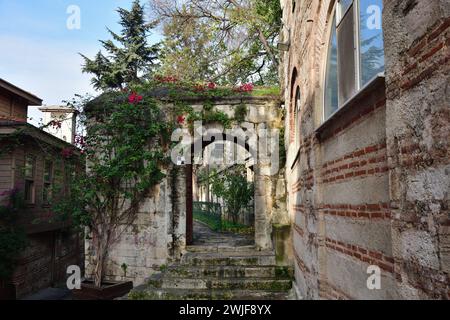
263 208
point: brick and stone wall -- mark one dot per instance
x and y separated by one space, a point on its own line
370 185
418 112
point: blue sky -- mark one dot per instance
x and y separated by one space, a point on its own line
40 54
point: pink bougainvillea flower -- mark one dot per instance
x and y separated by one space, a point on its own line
212 85
56 124
247 87
134 98
181 120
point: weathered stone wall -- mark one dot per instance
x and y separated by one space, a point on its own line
418 136
158 236
347 195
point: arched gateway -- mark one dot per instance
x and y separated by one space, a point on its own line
164 226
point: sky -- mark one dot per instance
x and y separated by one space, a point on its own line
40 53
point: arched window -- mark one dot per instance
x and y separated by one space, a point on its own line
355 52
297 116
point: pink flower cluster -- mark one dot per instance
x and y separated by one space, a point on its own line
181 119
55 124
247 87
134 98
80 142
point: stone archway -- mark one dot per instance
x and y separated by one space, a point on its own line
264 116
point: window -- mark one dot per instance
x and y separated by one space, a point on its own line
30 170
48 180
355 51
297 117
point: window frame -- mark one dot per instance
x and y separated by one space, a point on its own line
30 185
47 183
297 105
339 16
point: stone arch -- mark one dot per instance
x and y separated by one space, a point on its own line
263 113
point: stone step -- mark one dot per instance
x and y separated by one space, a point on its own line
146 293
267 284
229 259
220 249
230 272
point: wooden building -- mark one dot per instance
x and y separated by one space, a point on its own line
35 162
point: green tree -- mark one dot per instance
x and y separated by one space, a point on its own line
131 59
237 39
232 186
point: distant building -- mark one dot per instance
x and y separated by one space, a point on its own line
67 118
32 161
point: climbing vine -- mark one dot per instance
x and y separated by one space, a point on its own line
12 238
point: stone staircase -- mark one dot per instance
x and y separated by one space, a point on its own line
219 273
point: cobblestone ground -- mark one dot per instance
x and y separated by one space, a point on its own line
204 236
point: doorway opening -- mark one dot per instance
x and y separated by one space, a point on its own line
220 195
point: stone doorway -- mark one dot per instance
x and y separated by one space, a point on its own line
205 233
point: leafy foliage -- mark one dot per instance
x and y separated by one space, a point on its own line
127 62
227 41
232 186
12 238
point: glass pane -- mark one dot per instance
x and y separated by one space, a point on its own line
343 7
48 171
29 191
371 39
331 80
346 57
297 115
29 167
47 193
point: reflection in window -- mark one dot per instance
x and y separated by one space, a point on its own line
343 7
331 84
30 164
48 179
356 28
297 116
371 39
346 56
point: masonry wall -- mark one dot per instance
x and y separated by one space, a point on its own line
348 196
156 238
418 136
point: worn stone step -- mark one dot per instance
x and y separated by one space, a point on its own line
220 249
229 259
268 284
230 272
146 293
